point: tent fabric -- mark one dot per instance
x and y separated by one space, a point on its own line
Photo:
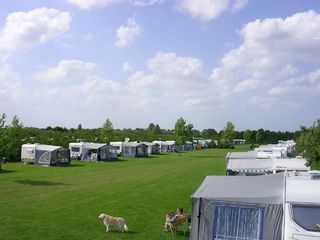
257 192
93 152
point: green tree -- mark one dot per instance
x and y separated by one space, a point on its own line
228 133
106 132
260 136
182 131
248 136
309 143
209 133
153 132
11 139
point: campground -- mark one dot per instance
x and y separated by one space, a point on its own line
64 202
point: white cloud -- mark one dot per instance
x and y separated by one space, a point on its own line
143 3
239 4
87 37
248 85
10 84
207 10
67 70
24 30
127 67
269 62
127 34
87 4
170 63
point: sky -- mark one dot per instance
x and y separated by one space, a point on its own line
135 62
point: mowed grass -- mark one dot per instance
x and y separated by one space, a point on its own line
64 202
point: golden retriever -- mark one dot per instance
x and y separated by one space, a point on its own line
113 222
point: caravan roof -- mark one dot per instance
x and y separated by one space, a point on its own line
242 155
302 189
256 189
93 145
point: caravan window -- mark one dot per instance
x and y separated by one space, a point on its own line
306 216
238 222
75 149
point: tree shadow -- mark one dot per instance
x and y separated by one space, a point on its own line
5 171
199 156
118 160
39 183
75 165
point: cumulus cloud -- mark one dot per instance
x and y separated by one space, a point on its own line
10 84
207 10
24 30
67 70
143 3
170 63
269 62
87 4
127 34
127 67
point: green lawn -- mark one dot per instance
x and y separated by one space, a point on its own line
64 202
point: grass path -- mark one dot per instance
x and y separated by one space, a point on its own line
64 203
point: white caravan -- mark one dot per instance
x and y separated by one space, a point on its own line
302 206
76 150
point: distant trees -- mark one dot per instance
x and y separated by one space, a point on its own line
209 133
249 136
309 143
153 132
228 133
10 138
182 131
106 132
13 135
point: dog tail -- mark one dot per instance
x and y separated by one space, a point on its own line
125 227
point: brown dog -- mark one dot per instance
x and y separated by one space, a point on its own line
113 222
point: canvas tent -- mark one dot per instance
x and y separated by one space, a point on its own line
133 149
167 146
44 155
117 146
94 152
235 207
153 148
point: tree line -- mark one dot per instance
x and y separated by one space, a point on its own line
14 134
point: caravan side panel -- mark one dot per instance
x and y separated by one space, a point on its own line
28 153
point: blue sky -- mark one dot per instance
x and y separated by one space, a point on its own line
255 63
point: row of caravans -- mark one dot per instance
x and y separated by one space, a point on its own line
48 155
266 159
267 196
130 149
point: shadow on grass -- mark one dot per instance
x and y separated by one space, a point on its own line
75 165
5 171
118 160
39 183
199 156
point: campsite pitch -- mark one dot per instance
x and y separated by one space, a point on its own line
63 202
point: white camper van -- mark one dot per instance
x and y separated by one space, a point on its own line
76 150
302 206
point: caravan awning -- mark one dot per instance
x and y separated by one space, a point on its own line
250 165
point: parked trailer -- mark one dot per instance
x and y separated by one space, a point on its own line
44 155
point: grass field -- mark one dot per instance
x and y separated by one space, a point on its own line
64 202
